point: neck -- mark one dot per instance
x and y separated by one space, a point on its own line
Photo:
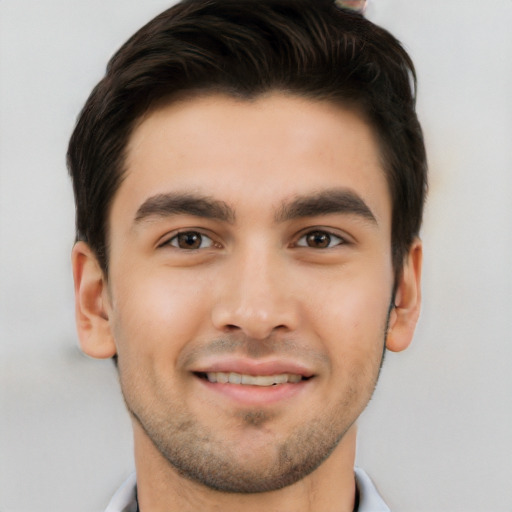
160 488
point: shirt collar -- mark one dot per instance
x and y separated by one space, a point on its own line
125 499
369 498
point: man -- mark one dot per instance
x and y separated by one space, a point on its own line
249 180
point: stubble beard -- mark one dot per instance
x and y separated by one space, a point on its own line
213 463
197 454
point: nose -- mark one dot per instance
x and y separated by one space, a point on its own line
256 296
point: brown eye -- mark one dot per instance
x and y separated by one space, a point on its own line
190 240
319 240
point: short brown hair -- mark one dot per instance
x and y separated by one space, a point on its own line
244 48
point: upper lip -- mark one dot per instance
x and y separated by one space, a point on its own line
254 367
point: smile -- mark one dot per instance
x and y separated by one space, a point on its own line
245 383
252 380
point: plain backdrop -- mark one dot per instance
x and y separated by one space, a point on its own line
437 437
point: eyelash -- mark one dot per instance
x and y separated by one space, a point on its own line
329 238
322 232
190 232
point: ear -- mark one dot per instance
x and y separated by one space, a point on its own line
91 304
404 316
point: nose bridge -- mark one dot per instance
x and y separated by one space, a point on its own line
256 298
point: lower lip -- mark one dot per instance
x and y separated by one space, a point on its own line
257 395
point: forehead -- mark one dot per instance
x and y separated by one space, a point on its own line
268 149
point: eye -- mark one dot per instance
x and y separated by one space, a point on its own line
190 240
318 239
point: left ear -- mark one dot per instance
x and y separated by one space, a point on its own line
404 316
92 304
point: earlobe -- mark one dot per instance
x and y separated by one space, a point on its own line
91 304
407 301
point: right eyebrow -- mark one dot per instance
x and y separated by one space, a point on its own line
331 201
175 203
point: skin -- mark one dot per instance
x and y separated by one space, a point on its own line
259 276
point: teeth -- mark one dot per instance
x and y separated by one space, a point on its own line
253 380
235 378
223 377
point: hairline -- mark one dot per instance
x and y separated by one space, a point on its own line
196 93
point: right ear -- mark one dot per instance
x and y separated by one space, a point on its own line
91 304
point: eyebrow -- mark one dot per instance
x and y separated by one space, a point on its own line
338 200
326 202
176 203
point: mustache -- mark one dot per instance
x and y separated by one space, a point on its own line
234 344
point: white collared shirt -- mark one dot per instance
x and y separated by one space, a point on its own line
124 500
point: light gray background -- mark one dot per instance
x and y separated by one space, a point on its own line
438 435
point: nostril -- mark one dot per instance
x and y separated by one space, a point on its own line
257 321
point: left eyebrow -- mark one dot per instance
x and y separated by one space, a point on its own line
325 202
175 203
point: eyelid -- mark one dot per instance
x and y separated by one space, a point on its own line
333 233
165 241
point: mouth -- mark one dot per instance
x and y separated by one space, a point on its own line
244 382
252 380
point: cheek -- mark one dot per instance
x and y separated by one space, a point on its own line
349 322
156 315
351 315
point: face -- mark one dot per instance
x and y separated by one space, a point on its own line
249 285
